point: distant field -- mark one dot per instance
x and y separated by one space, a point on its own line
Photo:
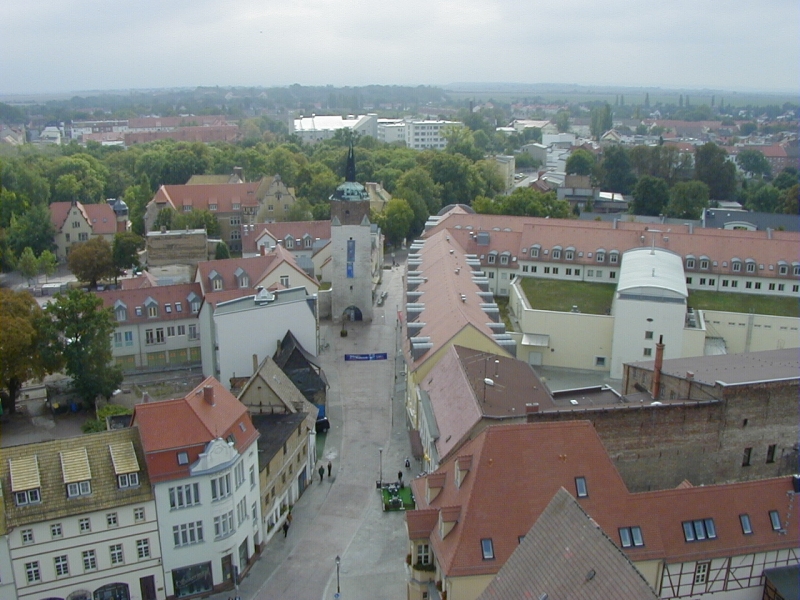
595 298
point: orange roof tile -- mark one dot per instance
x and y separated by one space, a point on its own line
100 216
516 470
201 197
164 295
200 423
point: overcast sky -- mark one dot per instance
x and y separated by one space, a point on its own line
69 45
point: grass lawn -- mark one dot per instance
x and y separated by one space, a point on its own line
744 303
553 294
403 493
595 298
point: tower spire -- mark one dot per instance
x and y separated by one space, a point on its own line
350 169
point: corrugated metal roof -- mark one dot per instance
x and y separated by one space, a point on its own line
123 456
24 473
75 465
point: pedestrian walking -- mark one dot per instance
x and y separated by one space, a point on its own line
321 473
400 476
285 528
330 466
408 463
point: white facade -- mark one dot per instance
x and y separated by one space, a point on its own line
210 522
254 325
650 302
79 559
428 135
317 128
391 130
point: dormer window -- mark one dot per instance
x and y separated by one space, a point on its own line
216 280
492 257
750 266
289 242
308 242
187 208
703 263
535 251
242 278
783 268
736 265
120 311
128 480
77 472
504 258
600 256
194 302
212 207
81 488
152 307
236 206
613 257
569 254
690 263
126 465
556 255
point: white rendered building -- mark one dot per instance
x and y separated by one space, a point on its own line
317 128
205 479
428 134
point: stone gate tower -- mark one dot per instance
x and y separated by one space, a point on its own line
351 249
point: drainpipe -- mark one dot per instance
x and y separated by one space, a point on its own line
657 368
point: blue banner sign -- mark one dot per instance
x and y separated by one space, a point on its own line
376 356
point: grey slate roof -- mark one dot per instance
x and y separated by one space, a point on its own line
566 555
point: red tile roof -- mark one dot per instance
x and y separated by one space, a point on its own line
318 230
445 314
100 216
164 295
720 245
199 423
516 469
257 269
200 197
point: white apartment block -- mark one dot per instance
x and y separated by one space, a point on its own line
428 135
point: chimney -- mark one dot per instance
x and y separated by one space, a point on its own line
239 172
255 363
208 394
163 229
145 398
531 408
657 368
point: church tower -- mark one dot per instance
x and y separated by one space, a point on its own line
351 249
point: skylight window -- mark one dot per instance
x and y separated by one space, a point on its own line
487 547
699 530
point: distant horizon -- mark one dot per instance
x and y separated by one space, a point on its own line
504 87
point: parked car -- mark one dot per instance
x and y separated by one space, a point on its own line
323 425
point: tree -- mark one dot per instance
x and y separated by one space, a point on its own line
617 175
687 200
47 263
19 342
78 330
396 220
748 128
754 163
650 196
602 120
91 261
580 162
460 140
27 264
713 168
790 200
125 251
34 229
221 252
786 178
562 121
417 184
764 198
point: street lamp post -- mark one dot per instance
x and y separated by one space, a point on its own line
380 466
338 560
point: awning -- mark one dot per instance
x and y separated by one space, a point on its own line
535 339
